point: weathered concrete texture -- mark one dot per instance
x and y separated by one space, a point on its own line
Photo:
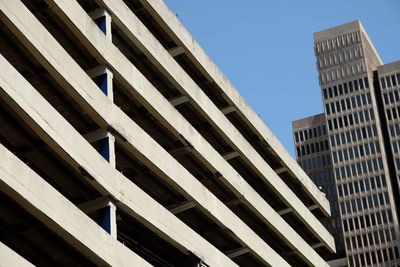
70 145
176 122
309 121
59 214
76 150
133 79
183 38
10 258
390 68
337 31
137 141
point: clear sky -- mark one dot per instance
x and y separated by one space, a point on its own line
265 47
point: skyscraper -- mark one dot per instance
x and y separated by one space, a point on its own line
358 165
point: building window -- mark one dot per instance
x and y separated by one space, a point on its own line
388 83
383 83
351 86
345 88
366 82
394 80
355 85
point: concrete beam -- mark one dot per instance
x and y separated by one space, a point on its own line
166 19
231 155
182 207
9 257
35 195
281 170
179 100
77 152
228 110
97 135
180 149
95 204
237 252
127 71
155 52
285 211
313 207
288 210
317 245
138 141
176 51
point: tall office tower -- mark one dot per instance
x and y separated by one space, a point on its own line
388 82
122 144
314 156
362 159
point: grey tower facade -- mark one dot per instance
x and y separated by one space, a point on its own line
360 134
314 156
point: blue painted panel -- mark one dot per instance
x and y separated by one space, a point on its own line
102 83
105 219
101 22
104 148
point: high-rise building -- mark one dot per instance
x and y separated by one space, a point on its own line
314 156
122 144
357 167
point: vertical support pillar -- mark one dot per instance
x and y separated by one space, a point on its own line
108 219
103 19
103 77
104 210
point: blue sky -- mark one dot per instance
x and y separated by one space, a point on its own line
265 47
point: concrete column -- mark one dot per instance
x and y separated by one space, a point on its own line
103 19
103 77
106 213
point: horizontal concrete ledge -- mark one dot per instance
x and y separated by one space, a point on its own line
231 155
121 67
237 252
117 69
77 152
33 193
159 56
95 204
106 107
176 51
138 142
178 32
228 110
125 127
131 25
182 207
179 100
9 257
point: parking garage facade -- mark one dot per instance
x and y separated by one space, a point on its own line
122 144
